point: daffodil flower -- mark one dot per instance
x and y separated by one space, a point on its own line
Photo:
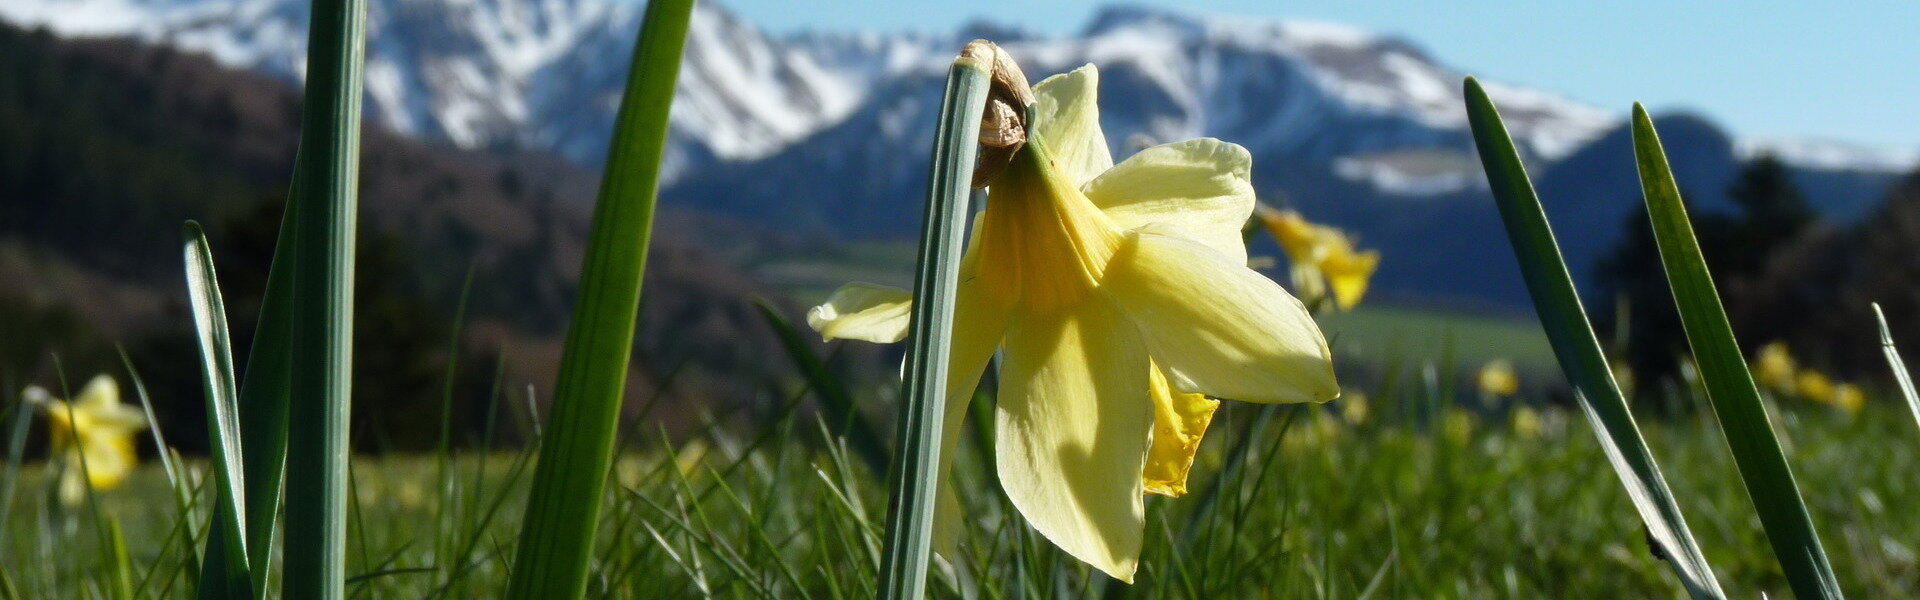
1497 379
1321 259
1120 298
1774 367
96 427
1814 385
1848 398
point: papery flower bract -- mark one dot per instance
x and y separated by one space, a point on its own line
1774 367
1322 261
1121 299
95 426
1497 379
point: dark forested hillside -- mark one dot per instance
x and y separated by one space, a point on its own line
106 146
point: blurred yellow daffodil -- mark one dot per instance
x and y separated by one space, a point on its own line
1526 422
1849 398
1321 259
1814 385
1353 407
1774 367
1497 379
1121 299
1458 425
95 428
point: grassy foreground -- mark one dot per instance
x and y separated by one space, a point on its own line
1465 506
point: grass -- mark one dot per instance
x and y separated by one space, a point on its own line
1323 510
1374 331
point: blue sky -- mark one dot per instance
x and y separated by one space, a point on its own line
1763 68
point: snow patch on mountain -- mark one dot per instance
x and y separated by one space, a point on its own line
1831 154
547 74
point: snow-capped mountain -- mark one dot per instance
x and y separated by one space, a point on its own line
543 74
546 74
830 130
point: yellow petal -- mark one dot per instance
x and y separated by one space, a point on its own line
1072 427
101 393
864 311
1179 421
981 307
1068 120
1302 241
1348 273
60 423
109 460
1202 186
1216 327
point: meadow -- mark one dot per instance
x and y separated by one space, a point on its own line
1396 506
1104 311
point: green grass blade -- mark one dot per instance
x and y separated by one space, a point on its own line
563 506
1901 375
21 417
265 390
1730 389
1578 350
325 224
842 411
914 475
234 580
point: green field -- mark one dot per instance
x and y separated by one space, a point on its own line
1462 507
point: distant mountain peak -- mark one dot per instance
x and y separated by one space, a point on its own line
546 74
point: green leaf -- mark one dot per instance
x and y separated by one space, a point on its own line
563 505
1730 389
325 222
1899 367
264 392
914 476
1571 334
223 426
842 411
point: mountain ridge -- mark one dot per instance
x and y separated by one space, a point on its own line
827 132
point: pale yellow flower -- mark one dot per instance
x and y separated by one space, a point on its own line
1353 407
1848 398
1497 379
1322 260
1814 385
1526 422
95 427
1774 367
1121 300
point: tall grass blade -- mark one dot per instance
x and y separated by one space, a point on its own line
563 505
914 477
842 411
1578 350
1730 389
325 223
1901 375
234 580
